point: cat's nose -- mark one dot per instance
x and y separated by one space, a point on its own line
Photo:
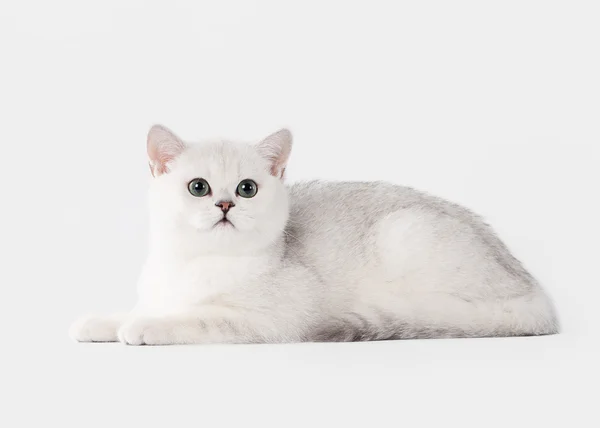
225 205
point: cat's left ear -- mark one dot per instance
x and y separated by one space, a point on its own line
163 146
276 148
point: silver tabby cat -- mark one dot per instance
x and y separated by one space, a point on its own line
236 256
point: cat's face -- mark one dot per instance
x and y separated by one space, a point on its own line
220 197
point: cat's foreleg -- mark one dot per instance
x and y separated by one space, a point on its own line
200 327
93 328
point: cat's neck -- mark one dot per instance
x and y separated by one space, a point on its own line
167 245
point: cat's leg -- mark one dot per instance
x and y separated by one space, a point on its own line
94 328
205 326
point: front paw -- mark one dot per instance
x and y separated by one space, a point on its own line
147 331
95 329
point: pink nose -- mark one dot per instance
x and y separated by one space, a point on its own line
225 205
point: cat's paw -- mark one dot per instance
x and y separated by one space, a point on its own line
95 329
147 331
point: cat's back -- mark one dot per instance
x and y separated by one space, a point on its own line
356 206
333 223
349 229
344 199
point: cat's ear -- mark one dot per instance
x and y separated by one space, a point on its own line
276 148
163 146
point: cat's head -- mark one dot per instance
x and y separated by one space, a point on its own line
219 197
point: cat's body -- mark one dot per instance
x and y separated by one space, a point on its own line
313 262
407 265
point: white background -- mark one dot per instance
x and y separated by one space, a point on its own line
495 105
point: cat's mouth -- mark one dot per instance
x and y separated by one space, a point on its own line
224 222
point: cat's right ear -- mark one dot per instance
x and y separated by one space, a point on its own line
163 146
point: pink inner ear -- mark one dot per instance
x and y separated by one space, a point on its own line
163 147
160 156
276 149
276 169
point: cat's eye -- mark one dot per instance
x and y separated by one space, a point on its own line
247 188
199 187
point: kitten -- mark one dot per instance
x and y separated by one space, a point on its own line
237 257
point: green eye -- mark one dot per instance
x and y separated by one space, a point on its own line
247 188
199 187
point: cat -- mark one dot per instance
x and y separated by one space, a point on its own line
236 256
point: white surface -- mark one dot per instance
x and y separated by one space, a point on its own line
490 104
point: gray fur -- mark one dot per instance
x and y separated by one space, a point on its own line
331 231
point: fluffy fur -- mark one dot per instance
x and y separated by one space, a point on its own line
312 262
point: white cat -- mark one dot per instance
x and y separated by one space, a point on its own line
237 257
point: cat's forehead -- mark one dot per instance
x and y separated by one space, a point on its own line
221 158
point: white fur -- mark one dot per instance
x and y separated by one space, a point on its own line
317 261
